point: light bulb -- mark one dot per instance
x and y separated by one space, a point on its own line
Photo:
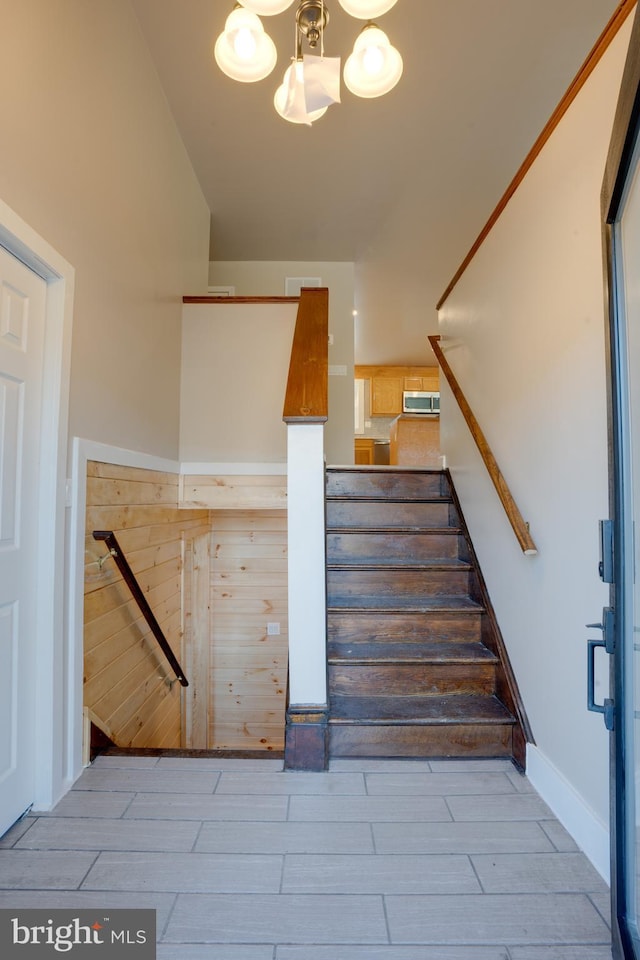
375 66
267 8
367 9
289 98
373 60
244 44
244 51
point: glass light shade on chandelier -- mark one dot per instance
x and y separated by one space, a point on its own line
290 98
244 51
366 9
267 8
374 67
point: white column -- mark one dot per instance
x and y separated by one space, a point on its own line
306 548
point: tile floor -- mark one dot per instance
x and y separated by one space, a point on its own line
373 860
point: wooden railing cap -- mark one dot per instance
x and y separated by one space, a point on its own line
306 397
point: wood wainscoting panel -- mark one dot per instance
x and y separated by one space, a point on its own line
196 639
128 683
248 664
244 492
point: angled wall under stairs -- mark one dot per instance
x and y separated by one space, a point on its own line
416 662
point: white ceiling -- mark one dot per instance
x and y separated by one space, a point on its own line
400 185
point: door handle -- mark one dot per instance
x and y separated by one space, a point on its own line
605 708
607 643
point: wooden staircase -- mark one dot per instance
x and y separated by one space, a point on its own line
416 663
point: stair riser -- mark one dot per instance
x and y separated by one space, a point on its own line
409 674
372 513
367 680
382 484
412 628
388 547
451 740
387 584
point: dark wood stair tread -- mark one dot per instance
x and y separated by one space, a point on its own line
403 563
394 652
439 603
367 498
419 711
368 531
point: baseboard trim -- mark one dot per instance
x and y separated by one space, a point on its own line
586 828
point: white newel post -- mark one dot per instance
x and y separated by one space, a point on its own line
306 721
307 594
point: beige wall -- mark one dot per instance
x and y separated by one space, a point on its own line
267 278
524 333
235 362
91 160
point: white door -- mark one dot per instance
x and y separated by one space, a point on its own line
22 313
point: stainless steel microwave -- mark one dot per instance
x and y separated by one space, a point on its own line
420 401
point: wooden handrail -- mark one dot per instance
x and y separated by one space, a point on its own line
306 398
520 528
236 300
129 578
618 17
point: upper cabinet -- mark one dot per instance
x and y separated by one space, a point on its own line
386 386
386 396
430 382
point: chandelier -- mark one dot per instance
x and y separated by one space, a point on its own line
245 52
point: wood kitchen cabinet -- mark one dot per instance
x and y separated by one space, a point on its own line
363 450
429 383
386 396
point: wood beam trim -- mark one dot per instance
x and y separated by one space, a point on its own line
218 300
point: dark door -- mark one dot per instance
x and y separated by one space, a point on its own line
621 534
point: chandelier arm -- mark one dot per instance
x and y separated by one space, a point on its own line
298 41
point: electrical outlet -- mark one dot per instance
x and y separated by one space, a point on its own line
273 629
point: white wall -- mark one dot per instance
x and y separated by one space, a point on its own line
92 160
235 363
267 278
524 333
